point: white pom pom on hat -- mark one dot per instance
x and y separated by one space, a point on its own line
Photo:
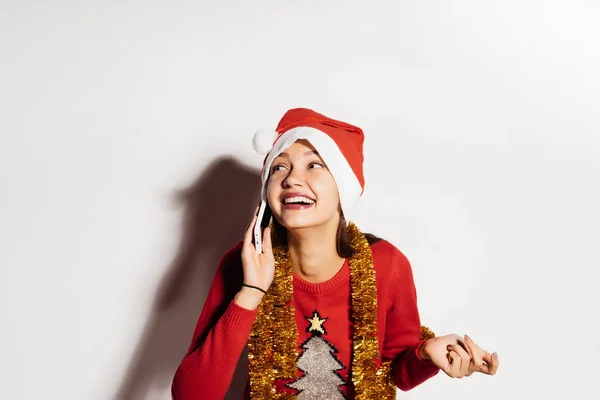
263 140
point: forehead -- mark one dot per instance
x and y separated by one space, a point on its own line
299 148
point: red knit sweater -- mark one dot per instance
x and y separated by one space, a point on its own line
324 331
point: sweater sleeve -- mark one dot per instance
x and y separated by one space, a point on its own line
221 333
403 329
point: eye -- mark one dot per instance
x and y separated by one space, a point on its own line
315 165
277 167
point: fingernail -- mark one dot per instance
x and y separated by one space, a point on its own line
467 338
495 355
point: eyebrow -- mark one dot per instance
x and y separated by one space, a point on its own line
308 153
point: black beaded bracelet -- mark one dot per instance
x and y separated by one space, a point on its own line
254 287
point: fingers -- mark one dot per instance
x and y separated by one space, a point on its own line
475 351
465 359
267 245
485 362
453 368
492 362
465 346
250 231
476 354
474 346
495 364
472 367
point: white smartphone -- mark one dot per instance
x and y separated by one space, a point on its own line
263 221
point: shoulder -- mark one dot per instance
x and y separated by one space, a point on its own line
389 261
386 252
393 272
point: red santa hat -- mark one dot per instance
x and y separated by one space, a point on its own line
339 144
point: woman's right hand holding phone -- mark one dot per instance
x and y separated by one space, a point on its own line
258 268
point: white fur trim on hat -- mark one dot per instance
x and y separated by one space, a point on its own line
263 140
349 187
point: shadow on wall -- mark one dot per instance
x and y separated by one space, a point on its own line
216 210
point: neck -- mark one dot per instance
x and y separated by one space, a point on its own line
313 253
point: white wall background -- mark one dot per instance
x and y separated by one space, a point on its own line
482 124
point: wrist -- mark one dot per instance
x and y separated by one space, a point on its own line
422 351
248 298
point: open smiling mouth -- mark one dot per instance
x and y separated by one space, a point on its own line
297 203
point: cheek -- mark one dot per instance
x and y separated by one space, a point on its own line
327 191
273 190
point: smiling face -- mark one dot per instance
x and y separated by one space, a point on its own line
301 191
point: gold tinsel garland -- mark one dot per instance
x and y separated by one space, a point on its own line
272 350
274 338
367 382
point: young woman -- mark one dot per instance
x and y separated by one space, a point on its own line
327 311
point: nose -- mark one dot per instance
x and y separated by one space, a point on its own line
294 178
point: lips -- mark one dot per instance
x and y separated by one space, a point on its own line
296 198
296 201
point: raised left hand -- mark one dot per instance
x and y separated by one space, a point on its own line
459 357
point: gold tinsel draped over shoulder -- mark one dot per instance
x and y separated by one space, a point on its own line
274 338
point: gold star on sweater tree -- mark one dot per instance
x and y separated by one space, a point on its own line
316 324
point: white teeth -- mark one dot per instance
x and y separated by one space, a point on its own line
298 199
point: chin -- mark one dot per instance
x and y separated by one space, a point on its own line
299 222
